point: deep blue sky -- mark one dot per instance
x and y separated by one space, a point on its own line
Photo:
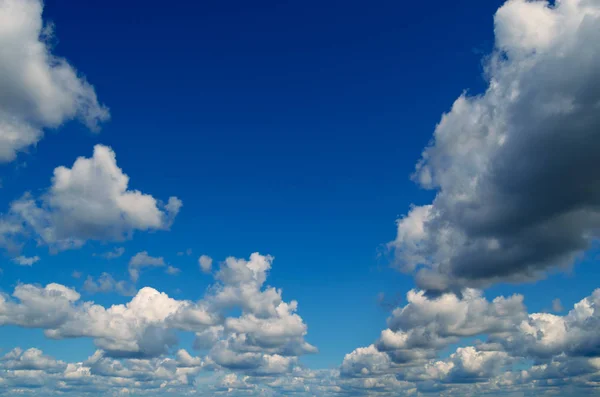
289 128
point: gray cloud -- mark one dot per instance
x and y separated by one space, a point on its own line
514 168
107 284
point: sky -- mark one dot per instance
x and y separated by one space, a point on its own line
299 198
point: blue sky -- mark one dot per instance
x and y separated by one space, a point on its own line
297 130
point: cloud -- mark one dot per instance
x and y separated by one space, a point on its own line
434 323
173 270
107 284
39 89
30 359
518 352
205 263
114 254
513 168
142 260
26 261
266 337
90 201
557 305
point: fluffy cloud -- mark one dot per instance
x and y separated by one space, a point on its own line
177 375
433 323
90 201
265 338
39 90
514 168
523 353
30 359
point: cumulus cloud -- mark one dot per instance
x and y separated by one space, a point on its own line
518 352
265 338
30 359
174 375
514 168
38 89
90 201
26 261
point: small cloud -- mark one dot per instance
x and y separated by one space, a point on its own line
557 305
26 261
187 252
173 270
116 253
141 260
76 274
106 284
205 263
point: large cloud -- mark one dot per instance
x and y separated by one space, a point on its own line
37 89
89 201
514 168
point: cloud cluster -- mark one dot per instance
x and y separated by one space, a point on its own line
518 352
89 201
255 352
266 337
38 90
514 168
31 371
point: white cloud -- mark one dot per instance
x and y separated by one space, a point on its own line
26 261
38 89
266 337
550 350
30 359
433 323
514 168
205 263
91 201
